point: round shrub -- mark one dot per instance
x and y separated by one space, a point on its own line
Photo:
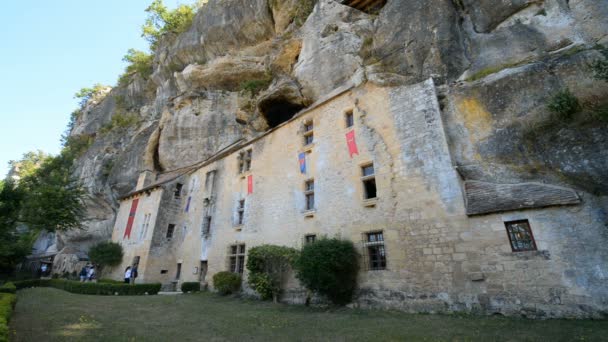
329 267
191 287
106 253
564 104
226 282
268 267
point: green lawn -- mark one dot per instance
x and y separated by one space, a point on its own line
47 314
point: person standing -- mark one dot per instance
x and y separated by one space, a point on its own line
128 274
84 272
91 275
133 274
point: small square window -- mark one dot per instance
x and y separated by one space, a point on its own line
310 238
308 133
237 258
244 160
520 236
369 181
240 211
178 190
309 193
349 119
170 230
376 253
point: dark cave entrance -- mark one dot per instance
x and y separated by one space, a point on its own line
278 110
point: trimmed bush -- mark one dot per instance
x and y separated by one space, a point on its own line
191 286
329 267
7 303
8 288
107 253
227 282
111 281
268 267
102 289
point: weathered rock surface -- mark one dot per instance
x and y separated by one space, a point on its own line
485 198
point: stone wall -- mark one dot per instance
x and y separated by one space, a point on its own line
438 258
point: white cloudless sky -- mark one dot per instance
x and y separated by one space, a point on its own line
48 51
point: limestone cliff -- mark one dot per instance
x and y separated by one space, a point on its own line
246 66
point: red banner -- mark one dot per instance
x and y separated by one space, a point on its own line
352 144
131 218
250 184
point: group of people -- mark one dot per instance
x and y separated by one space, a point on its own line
130 274
87 273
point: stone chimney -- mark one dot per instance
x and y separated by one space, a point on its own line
146 178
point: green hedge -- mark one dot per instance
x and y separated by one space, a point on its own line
226 282
191 287
8 288
7 303
103 289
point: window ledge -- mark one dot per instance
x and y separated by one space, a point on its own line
370 202
309 213
238 227
308 148
244 175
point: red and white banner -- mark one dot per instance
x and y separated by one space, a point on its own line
352 144
131 218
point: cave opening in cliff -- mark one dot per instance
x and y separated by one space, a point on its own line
279 110
368 6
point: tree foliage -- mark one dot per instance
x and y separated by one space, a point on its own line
329 267
106 253
53 198
162 20
139 63
226 282
13 246
268 267
97 92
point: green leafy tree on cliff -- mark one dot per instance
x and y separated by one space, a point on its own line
162 20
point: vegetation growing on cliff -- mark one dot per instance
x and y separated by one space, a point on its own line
162 21
139 63
97 92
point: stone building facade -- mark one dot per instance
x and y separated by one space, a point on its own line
373 165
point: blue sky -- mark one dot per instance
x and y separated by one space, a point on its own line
51 49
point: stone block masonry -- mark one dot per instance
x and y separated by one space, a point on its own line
435 258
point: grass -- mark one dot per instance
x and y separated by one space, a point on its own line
46 314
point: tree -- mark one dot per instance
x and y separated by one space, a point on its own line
97 92
106 253
53 198
29 163
162 20
13 246
139 63
268 267
329 267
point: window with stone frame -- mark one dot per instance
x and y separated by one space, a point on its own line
375 251
177 192
236 258
244 159
240 212
206 230
308 132
170 230
310 238
349 119
520 236
309 193
368 178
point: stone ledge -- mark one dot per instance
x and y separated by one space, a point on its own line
485 198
